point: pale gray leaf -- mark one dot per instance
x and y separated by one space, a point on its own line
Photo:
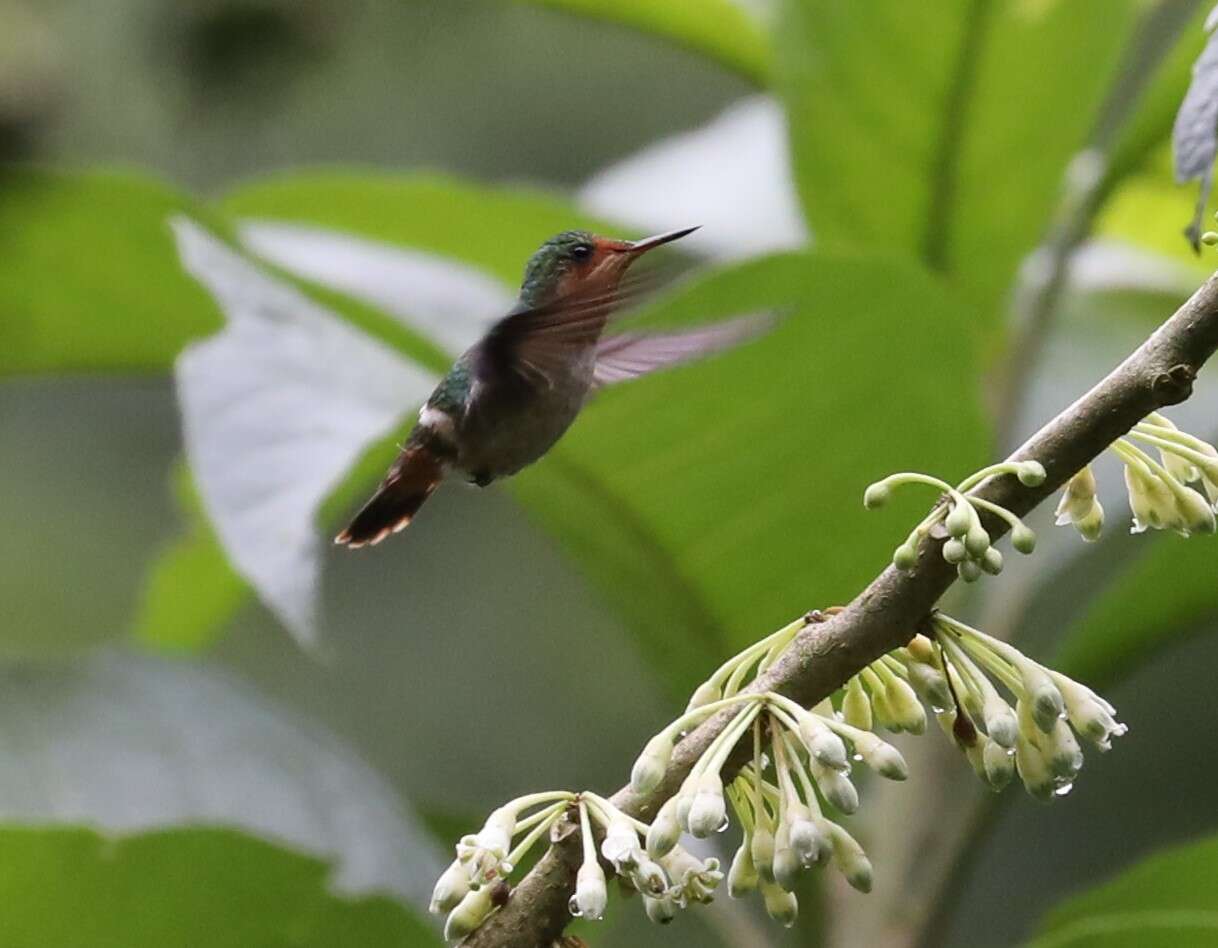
130 743
449 302
732 176
1195 134
275 410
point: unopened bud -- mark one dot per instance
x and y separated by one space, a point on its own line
786 864
976 541
742 876
905 557
450 889
850 858
991 562
1030 473
664 831
590 896
780 905
708 811
762 849
876 495
1023 538
649 768
969 571
856 706
999 765
821 742
960 518
470 912
954 551
705 693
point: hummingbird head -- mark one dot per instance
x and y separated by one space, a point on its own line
577 264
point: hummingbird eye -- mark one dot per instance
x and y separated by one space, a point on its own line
581 251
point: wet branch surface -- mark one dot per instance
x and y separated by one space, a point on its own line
886 614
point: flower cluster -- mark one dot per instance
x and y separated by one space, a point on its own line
956 517
1159 488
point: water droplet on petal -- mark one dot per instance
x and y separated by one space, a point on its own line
938 710
722 827
573 908
1010 751
856 756
1063 789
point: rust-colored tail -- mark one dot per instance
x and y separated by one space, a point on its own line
414 475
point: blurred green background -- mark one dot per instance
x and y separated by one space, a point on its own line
177 769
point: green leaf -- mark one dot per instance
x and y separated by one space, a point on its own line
1166 901
943 130
88 276
1156 600
497 229
211 888
718 29
191 591
720 499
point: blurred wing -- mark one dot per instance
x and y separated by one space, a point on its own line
537 342
620 358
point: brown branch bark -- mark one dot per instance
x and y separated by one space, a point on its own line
886 614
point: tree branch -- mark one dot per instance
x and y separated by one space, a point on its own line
886 614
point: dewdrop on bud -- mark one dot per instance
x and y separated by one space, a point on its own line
991 562
664 831
661 911
780 905
470 912
954 551
590 896
649 768
905 557
1030 473
836 787
999 765
708 811
856 706
877 495
1023 539
822 743
704 694
1210 238
450 889
881 757
742 877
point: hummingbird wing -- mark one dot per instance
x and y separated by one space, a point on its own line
626 356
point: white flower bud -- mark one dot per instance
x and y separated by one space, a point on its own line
881 757
1023 539
620 846
1089 714
954 551
1196 513
821 742
1047 704
991 561
786 865
1077 497
742 876
450 889
960 519
470 912
836 787
906 709
1033 770
1091 525
856 706
708 811
1001 724
811 845
999 764
590 896
762 849
649 768
704 694
976 541
969 571
1061 751
1030 473
660 910
905 557
930 684
664 831
780 905
851 861
876 495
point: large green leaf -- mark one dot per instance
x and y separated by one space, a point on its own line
943 129
88 276
1167 901
204 888
726 496
719 29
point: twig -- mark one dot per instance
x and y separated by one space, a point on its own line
886 614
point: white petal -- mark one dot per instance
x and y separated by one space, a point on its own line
733 177
275 409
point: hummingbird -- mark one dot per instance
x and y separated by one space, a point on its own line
510 397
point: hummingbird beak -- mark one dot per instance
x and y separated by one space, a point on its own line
650 243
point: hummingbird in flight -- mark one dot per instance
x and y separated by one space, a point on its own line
512 394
